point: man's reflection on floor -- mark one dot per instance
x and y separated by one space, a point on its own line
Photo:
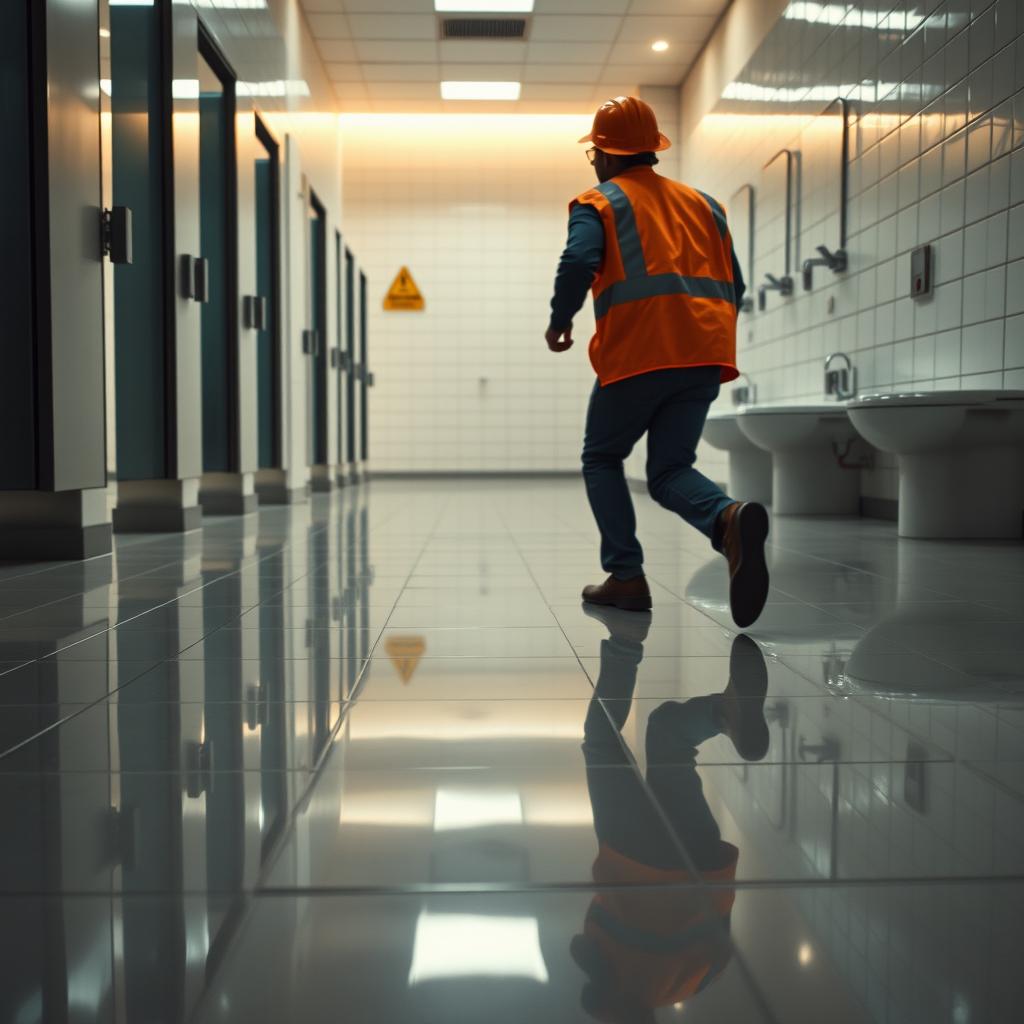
644 948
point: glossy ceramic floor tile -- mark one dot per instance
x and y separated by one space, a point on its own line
123 821
399 671
481 642
910 953
465 733
459 958
796 730
512 827
824 822
163 735
371 756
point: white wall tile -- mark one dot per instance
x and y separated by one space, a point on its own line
982 349
477 209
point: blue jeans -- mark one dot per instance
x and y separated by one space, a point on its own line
670 406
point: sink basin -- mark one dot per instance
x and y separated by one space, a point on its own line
805 442
750 467
961 459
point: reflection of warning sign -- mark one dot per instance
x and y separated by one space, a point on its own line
403 293
405 653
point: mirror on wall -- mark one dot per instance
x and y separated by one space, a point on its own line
741 225
775 228
824 188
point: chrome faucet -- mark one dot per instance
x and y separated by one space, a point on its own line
744 394
841 383
835 261
782 285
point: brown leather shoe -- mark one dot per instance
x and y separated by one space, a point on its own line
744 530
630 595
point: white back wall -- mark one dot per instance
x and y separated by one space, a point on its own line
476 207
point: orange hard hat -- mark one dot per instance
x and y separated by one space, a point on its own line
624 126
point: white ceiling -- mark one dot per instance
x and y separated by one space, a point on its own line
385 55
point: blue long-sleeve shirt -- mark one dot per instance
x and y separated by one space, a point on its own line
580 261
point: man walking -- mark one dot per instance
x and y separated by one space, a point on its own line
666 288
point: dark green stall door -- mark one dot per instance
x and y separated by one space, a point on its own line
265 356
137 167
213 198
318 307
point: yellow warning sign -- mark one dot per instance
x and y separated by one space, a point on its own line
403 293
405 653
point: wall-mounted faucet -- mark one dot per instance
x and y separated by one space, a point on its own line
744 394
835 261
841 383
782 285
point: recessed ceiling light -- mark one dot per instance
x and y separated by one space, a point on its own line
659 45
484 6
104 33
480 90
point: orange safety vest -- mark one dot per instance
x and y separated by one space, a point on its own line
663 295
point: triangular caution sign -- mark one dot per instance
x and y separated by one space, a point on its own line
403 293
405 653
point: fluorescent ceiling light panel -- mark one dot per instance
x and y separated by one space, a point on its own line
851 17
484 6
232 5
476 946
455 808
185 88
480 90
274 87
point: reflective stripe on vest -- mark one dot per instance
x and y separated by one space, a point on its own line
648 286
638 283
632 251
719 215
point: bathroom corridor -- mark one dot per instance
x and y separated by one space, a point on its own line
368 760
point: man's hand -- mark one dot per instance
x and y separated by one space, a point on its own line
553 338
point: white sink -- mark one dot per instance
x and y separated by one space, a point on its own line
805 442
961 459
750 467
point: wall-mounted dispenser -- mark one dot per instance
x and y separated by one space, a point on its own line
921 272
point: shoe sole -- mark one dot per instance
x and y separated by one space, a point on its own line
748 589
627 604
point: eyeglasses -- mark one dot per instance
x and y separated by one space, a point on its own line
592 154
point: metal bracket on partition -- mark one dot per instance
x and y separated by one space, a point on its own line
251 312
201 279
116 234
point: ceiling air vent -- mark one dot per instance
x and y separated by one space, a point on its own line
483 28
